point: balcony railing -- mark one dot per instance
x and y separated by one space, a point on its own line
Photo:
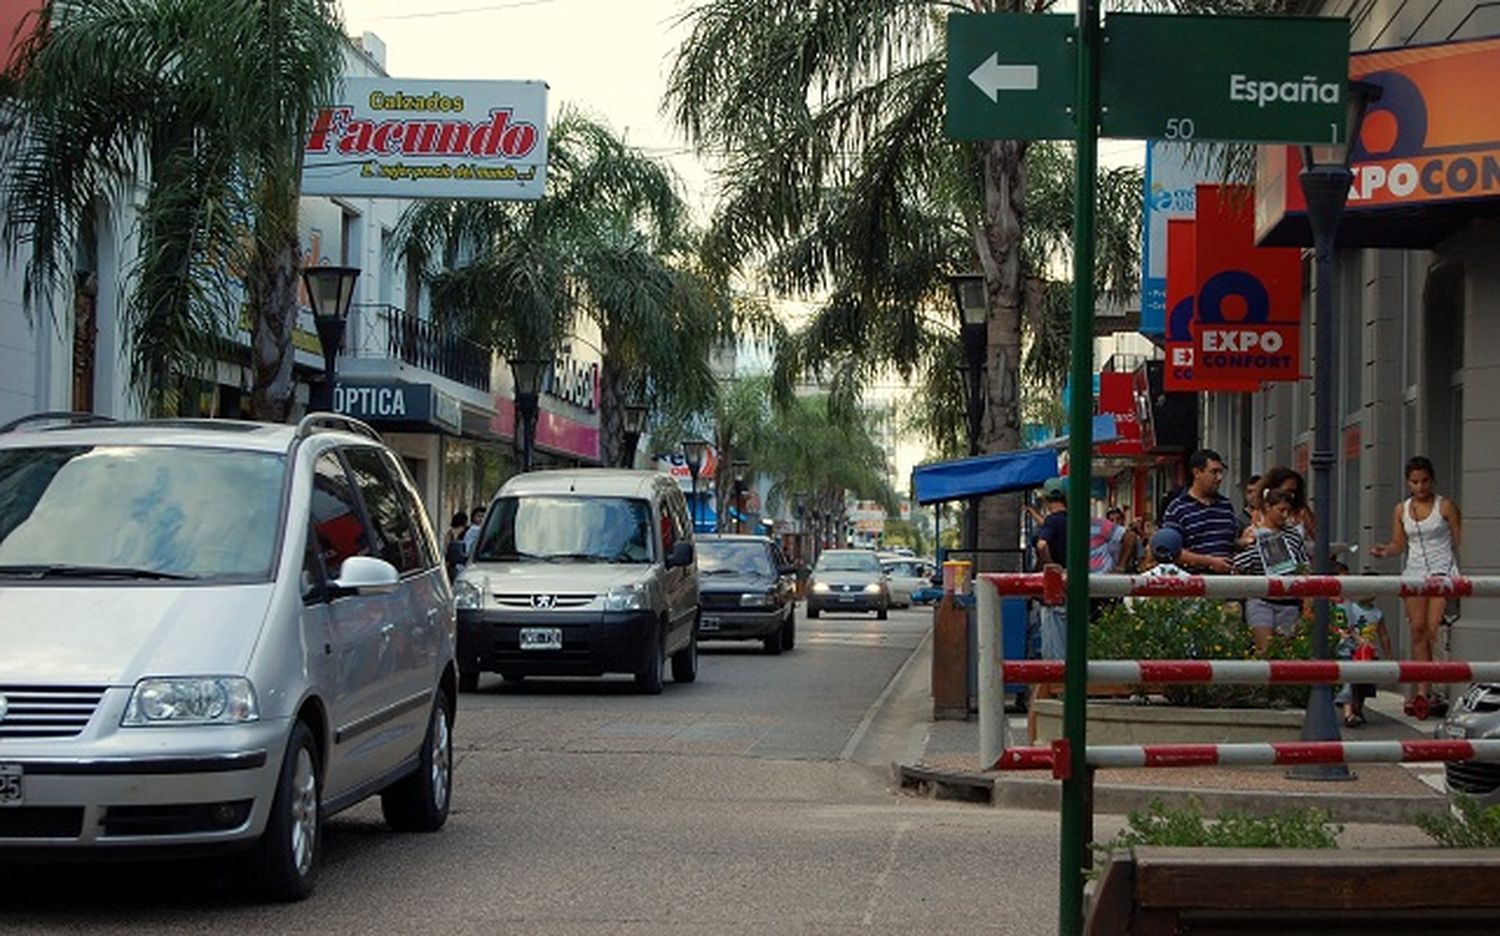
386 331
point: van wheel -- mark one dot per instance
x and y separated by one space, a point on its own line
685 661
812 613
284 863
789 631
468 681
771 643
882 614
419 801
512 676
648 677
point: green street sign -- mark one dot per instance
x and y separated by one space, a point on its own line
1011 76
1249 79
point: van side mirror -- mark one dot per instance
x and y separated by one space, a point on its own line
681 555
364 575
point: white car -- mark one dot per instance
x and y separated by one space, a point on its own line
214 635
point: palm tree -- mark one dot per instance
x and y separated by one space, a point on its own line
610 242
161 98
828 119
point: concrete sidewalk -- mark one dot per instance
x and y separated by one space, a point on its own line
948 767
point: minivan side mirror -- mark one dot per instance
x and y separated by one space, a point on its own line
365 575
681 555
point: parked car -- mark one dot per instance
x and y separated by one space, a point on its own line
905 577
581 573
213 636
1475 715
747 591
848 580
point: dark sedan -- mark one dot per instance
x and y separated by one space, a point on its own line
745 591
848 580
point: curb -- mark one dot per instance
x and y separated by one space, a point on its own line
1116 799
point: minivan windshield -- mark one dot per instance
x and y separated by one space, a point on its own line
728 557
141 512
848 562
562 527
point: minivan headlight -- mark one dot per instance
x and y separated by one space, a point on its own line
757 600
467 596
873 588
625 598
192 700
820 586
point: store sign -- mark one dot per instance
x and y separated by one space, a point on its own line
1171 181
574 382
409 138
383 402
674 464
1241 325
1117 397
1425 142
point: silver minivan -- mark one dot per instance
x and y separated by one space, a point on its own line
213 635
581 573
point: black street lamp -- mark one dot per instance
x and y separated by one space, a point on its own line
740 466
330 289
1325 186
635 413
528 378
693 452
973 312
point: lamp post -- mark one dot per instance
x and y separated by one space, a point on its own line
1325 186
635 413
330 289
527 372
973 313
740 466
693 452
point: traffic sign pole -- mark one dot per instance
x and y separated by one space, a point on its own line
1075 805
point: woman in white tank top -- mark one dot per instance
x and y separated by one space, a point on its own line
1428 529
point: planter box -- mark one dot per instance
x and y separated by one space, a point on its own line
1111 722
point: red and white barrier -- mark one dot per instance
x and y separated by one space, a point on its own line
1256 672
1273 754
1050 586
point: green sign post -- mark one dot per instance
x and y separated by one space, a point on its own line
1025 76
1252 79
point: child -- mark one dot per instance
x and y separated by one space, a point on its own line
1361 627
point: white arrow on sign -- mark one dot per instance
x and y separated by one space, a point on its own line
991 77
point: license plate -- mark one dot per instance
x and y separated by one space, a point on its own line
10 785
708 624
541 638
846 599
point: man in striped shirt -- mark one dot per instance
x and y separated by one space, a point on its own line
1205 518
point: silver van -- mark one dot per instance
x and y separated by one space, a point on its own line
213 635
581 573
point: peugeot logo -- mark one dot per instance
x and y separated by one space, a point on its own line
4 707
544 602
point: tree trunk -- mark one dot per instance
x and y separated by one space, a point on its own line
611 423
274 304
999 247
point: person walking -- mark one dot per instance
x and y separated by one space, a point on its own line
1206 519
1302 516
1428 528
455 557
1051 544
471 535
1275 548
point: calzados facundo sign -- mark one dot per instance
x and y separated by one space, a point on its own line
405 138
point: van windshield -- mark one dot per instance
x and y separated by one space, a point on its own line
140 512
559 528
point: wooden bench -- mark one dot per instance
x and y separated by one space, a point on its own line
1153 891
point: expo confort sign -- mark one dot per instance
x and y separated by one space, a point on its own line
408 138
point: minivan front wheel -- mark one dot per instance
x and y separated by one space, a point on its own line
685 661
419 801
285 860
648 677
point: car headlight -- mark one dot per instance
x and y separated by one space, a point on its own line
873 588
625 598
820 586
192 700
757 600
467 596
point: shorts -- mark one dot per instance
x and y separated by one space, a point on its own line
1053 631
1282 618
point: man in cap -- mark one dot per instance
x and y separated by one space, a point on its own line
1051 544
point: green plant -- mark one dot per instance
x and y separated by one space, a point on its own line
1186 826
1173 629
1469 825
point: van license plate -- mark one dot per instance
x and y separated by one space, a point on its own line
708 624
541 638
10 785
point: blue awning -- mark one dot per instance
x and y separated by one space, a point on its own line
1000 473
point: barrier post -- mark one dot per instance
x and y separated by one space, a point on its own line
992 724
